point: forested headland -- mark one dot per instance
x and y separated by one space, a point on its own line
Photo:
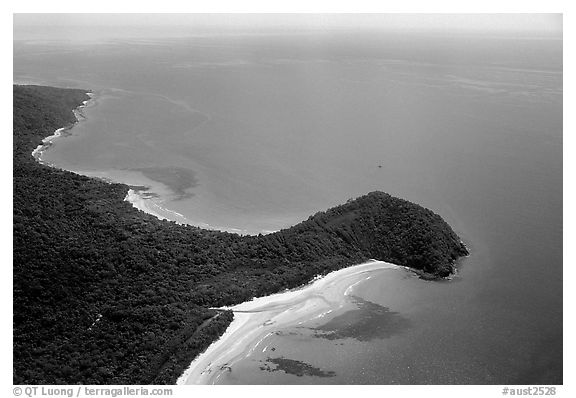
106 294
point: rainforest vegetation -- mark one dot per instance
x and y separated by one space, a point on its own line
106 294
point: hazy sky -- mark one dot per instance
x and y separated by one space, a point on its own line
55 26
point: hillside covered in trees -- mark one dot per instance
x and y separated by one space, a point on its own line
106 294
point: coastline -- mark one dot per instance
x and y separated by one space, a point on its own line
143 200
256 319
147 199
143 194
334 252
252 319
61 132
140 199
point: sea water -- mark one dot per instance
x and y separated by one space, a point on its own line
254 133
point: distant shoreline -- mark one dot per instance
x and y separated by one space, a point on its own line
61 132
140 199
133 197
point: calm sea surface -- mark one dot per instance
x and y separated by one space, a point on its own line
255 133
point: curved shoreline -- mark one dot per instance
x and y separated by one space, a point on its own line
147 205
254 320
136 199
49 141
141 199
284 310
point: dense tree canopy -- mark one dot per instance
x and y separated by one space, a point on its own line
106 294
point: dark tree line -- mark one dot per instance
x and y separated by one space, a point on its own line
106 294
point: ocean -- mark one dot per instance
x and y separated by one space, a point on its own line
252 133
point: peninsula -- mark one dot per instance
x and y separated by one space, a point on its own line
107 294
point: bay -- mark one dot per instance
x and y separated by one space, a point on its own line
255 133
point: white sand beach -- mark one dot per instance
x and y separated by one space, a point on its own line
255 319
141 203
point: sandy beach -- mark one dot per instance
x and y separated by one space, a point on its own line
254 320
151 205
151 200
